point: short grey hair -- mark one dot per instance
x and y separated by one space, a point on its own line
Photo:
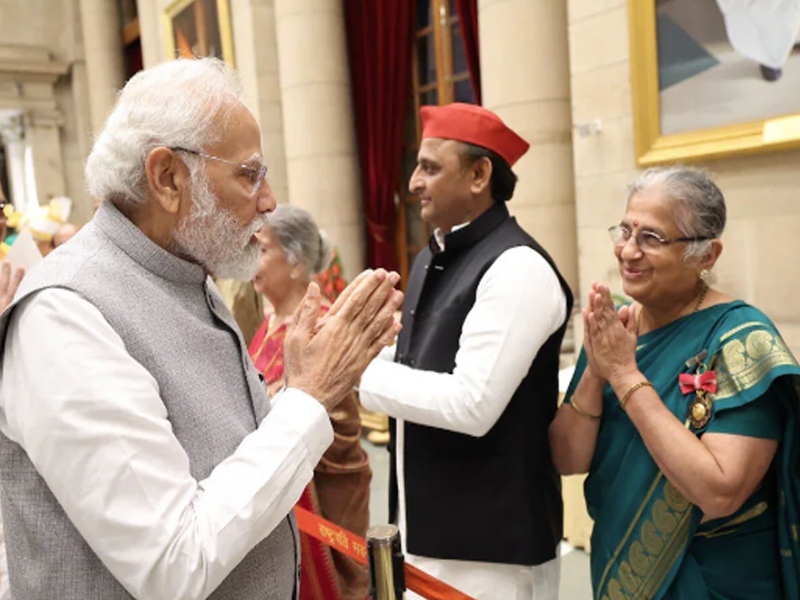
172 104
297 233
698 204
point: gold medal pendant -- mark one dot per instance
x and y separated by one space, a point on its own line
700 409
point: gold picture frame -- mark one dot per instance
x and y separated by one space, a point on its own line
195 28
652 147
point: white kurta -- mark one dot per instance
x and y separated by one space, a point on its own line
519 305
93 424
762 30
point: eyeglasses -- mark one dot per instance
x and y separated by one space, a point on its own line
255 175
648 241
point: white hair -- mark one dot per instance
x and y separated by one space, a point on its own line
698 204
172 104
297 233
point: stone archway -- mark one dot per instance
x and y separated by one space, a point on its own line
29 123
17 185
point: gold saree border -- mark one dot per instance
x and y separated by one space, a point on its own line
629 531
651 555
732 526
745 363
739 328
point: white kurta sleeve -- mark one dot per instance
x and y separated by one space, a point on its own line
518 306
93 424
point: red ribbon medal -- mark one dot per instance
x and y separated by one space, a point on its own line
704 385
701 381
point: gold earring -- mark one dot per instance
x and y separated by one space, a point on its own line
703 274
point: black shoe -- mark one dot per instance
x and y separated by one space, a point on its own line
770 74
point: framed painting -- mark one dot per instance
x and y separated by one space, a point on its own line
197 28
714 78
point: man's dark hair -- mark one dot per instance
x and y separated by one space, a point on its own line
503 179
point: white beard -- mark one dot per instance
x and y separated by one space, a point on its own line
210 236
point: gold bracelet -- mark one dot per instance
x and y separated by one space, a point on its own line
582 412
633 388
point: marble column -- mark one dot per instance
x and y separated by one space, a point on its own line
525 79
102 42
257 63
44 159
318 125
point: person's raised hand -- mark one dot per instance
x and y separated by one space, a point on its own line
627 314
9 282
591 368
612 342
342 297
325 357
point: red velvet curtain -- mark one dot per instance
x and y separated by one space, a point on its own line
468 17
379 36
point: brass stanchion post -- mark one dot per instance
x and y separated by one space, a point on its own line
387 577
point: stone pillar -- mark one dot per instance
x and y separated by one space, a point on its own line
318 127
102 35
257 63
44 159
151 30
525 79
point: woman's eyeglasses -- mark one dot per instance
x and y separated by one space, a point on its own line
648 241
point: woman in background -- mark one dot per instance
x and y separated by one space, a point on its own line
292 251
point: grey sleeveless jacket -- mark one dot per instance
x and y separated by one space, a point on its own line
174 323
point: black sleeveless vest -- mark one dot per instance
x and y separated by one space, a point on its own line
496 498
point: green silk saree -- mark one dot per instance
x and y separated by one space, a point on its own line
648 543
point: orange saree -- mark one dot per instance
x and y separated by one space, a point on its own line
339 491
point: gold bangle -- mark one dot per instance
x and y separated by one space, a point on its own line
582 412
633 388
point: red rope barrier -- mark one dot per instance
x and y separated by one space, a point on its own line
355 547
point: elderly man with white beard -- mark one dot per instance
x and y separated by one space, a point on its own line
140 454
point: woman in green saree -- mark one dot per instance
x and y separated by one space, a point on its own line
684 412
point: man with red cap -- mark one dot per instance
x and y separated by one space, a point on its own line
472 381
